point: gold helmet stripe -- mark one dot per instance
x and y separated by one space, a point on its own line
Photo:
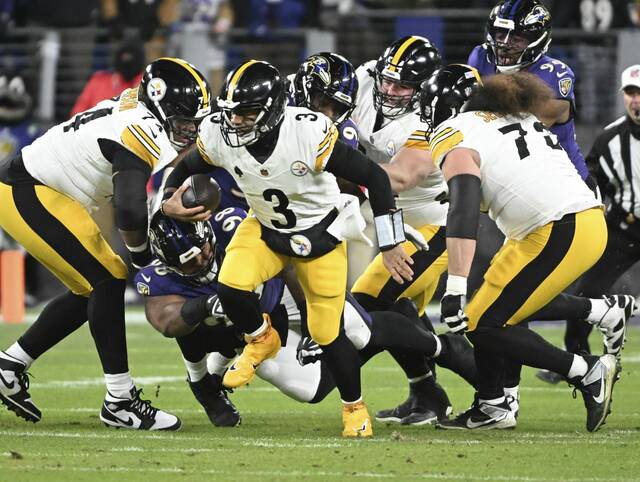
199 79
474 71
236 77
396 58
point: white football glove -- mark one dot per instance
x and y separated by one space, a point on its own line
416 238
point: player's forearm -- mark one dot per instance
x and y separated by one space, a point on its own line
408 168
460 252
192 163
166 317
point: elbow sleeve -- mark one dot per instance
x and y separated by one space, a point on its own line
464 206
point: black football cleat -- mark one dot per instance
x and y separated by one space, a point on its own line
423 406
213 398
597 388
14 389
135 413
482 416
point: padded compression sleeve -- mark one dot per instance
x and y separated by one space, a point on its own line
464 206
192 163
130 176
352 165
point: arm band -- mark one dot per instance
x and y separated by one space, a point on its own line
194 310
192 163
354 166
130 191
464 206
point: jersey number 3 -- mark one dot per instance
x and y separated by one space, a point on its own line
280 203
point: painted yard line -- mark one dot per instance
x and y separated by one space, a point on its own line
305 474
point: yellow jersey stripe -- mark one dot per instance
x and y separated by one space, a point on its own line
443 147
437 134
396 58
325 140
132 142
323 156
148 139
199 79
417 144
203 151
236 77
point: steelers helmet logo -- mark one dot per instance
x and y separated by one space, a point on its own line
299 168
156 89
300 245
391 148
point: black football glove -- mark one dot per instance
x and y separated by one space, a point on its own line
452 313
308 351
218 315
140 259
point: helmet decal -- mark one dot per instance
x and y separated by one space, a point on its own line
233 83
156 89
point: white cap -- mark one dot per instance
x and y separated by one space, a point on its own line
630 77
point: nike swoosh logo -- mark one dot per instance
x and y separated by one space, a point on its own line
146 278
472 424
600 397
560 74
128 422
6 383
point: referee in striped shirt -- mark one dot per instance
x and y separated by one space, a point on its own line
615 162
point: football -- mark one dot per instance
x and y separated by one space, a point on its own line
202 190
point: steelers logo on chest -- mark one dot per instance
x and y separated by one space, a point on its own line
299 168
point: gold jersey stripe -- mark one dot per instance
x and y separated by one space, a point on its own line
325 152
132 142
444 146
417 144
437 135
236 77
199 79
203 151
325 140
396 58
148 139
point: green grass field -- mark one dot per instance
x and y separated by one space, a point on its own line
280 439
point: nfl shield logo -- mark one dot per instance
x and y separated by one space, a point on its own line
565 86
264 172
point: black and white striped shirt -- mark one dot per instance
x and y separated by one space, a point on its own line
615 161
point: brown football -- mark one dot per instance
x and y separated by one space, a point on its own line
202 190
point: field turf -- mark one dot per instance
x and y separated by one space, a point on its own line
282 440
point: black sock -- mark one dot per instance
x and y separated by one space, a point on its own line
513 370
563 307
576 336
490 374
344 362
523 346
242 307
393 331
193 345
457 355
62 316
106 321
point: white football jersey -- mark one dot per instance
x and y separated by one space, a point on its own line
68 158
290 191
418 204
527 179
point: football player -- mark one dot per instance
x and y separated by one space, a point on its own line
105 154
181 301
284 159
498 156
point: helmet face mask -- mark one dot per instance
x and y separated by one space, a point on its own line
186 249
178 96
252 103
399 71
517 34
445 93
327 83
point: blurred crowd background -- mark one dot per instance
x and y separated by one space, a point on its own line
61 57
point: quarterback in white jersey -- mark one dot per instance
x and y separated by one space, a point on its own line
498 156
105 154
285 160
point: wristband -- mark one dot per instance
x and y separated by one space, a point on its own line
456 285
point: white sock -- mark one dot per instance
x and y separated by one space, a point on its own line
17 352
513 391
493 401
354 402
420 378
196 370
217 363
438 347
119 385
260 330
578 368
598 309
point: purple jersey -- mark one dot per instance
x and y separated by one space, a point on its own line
157 280
349 133
560 78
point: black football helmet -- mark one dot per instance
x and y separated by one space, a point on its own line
326 78
408 61
175 243
443 96
178 96
517 34
254 88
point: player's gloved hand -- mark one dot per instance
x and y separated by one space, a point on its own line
218 315
453 303
416 238
141 255
308 351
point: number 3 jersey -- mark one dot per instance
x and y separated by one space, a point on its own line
69 157
290 191
157 280
527 179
